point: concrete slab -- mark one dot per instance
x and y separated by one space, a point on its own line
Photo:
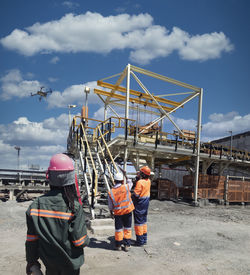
102 226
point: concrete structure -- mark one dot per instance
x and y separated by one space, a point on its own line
236 143
240 141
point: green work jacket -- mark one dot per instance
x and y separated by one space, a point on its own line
55 234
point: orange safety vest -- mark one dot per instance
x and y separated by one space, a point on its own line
142 188
121 198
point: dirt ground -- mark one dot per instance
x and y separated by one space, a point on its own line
182 239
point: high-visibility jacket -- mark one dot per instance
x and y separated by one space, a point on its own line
121 199
55 234
142 193
142 188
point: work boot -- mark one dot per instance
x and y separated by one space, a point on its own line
118 248
126 248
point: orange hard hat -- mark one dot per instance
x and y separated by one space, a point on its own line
146 170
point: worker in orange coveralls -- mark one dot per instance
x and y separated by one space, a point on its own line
141 197
121 207
56 227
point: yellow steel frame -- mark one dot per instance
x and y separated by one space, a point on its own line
136 93
133 100
148 99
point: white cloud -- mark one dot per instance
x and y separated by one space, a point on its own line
38 141
13 85
221 124
70 4
215 117
73 95
99 114
206 46
218 125
92 32
36 155
52 79
54 60
120 9
25 132
189 124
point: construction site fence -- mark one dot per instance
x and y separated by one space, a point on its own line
227 188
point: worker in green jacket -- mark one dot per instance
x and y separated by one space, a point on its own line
56 228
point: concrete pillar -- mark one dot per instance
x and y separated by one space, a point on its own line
137 161
153 163
205 166
11 195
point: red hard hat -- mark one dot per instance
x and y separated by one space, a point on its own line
61 162
146 170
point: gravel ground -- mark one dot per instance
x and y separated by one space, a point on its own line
213 239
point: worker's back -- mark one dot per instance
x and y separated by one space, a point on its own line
55 226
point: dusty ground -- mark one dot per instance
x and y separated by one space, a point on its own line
182 240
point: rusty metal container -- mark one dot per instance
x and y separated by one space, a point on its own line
167 189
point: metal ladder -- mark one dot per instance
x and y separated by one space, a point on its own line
92 158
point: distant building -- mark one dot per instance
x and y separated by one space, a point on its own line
239 141
34 167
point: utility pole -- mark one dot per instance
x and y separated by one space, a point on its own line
231 144
87 91
70 106
18 148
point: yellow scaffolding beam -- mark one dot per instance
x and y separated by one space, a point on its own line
133 100
136 93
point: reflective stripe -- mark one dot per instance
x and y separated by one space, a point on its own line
127 228
119 235
145 197
122 207
117 203
139 230
51 214
127 233
32 238
80 241
121 200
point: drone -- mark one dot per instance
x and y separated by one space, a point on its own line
41 93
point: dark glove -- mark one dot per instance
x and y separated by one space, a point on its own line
29 265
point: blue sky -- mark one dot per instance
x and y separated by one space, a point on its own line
66 45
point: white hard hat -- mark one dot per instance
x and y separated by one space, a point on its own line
118 176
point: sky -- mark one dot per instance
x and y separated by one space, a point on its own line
67 45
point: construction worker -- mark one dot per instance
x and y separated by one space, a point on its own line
141 198
121 207
56 228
